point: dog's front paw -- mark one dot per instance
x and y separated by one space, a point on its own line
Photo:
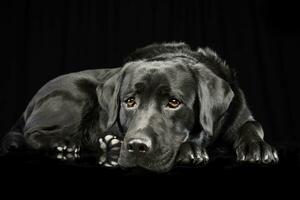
67 156
108 159
191 153
256 152
110 146
110 143
66 151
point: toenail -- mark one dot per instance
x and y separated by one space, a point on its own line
115 141
59 148
59 156
113 163
108 137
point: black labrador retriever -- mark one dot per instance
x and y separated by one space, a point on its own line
167 104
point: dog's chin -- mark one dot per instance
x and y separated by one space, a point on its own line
161 164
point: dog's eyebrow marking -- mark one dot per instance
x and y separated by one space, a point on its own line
139 87
164 89
176 93
128 94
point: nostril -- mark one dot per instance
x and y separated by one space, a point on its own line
143 148
138 146
130 148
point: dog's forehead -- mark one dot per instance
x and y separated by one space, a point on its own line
150 71
172 74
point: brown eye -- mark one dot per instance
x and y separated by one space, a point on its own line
130 102
173 103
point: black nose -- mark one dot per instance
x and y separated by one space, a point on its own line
139 146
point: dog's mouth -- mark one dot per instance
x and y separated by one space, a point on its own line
162 164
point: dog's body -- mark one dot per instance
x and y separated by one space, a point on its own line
167 103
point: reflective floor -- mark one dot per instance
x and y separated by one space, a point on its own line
104 163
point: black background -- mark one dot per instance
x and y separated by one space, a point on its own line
260 39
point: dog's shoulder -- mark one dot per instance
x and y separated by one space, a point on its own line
216 64
158 50
74 84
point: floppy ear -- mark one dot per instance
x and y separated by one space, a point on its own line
108 98
214 95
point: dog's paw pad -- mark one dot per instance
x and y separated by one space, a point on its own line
61 148
64 152
109 142
115 142
102 159
103 145
68 156
65 146
106 161
60 156
70 149
110 164
108 137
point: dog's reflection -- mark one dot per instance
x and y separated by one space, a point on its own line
107 153
109 159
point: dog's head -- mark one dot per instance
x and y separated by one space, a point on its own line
157 101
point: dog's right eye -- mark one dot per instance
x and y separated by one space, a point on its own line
130 102
173 103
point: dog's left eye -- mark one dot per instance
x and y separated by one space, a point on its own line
130 102
173 103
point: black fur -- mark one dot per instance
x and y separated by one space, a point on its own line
79 108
